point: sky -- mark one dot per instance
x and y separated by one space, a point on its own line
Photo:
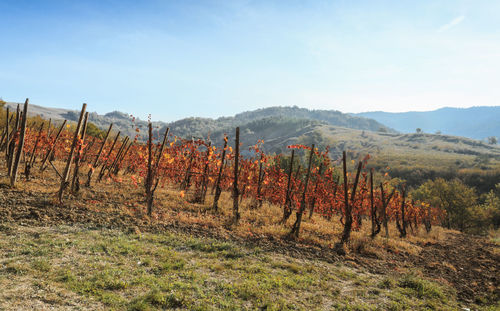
176 59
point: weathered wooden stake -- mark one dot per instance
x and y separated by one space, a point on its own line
52 146
334 195
105 164
12 144
260 180
65 175
385 203
96 161
202 192
346 233
87 149
428 220
5 136
149 176
119 165
373 210
152 179
31 161
403 224
75 182
49 130
296 226
218 189
111 167
236 213
187 176
20 145
313 203
287 208
7 121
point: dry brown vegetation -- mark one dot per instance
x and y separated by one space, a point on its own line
468 264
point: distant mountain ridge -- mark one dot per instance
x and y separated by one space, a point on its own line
201 127
283 126
475 122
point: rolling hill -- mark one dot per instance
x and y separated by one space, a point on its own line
282 126
201 127
474 122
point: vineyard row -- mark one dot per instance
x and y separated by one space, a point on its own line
317 185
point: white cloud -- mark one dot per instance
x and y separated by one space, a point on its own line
454 22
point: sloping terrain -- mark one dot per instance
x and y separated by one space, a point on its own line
278 133
99 251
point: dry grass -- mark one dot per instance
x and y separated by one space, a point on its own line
171 206
76 268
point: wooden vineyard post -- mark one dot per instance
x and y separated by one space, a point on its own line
5 136
313 203
385 203
218 190
119 164
20 145
201 193
187 176
7 121
65 175
29 164
346 233
110 168
52 146
287 208
428 220
335 183
118 155
296 226
12 142
373 210
160 152
403 207
262 175
75 182
402 225
236 213
87 148
96 161
152 179
48 128
149 177
105 164
242 192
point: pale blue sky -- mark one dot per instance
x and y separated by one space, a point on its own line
176 59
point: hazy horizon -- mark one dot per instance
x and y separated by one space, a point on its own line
90 109
216 58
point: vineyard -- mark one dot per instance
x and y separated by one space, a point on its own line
301 196
318 185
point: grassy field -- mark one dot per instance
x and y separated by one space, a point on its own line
78 268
